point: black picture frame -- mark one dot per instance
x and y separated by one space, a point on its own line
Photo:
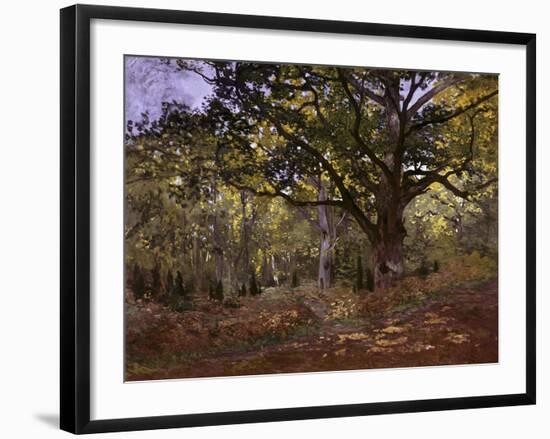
75 218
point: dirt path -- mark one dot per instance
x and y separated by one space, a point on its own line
457 327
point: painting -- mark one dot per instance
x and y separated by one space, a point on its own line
296 218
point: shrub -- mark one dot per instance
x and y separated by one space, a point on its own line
219 291
179 297
294 283
179 289
180 304
138 282
459 271
155 281
423 270
231 302
477 266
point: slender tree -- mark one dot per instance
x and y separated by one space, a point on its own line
359 274
219 291
253 288
169 284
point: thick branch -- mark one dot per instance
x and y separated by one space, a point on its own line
361 88
356 126
412 89
149 178
426 97
452 115
288 198
456 170
424 185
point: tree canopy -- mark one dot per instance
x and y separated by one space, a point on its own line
282 157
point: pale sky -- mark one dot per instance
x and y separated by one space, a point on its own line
149 82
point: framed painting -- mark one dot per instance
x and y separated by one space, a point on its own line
268 218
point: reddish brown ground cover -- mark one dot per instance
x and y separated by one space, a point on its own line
306 330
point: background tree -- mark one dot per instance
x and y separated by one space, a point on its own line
359 274
295 283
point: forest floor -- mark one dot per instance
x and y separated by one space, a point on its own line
307 330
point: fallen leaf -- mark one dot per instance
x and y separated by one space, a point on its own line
394 330
394 342
458 338
353 336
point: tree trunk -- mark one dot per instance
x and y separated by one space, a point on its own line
274 270
325 263
218 250
218 240
291 266
326 256
267 271
244 239
388 244
388 261
197 264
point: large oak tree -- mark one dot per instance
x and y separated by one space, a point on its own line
380 138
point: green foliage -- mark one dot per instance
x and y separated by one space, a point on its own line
179 299
442 226
475 266
424 268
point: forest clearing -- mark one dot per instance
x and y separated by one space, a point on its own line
306 329
284 218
